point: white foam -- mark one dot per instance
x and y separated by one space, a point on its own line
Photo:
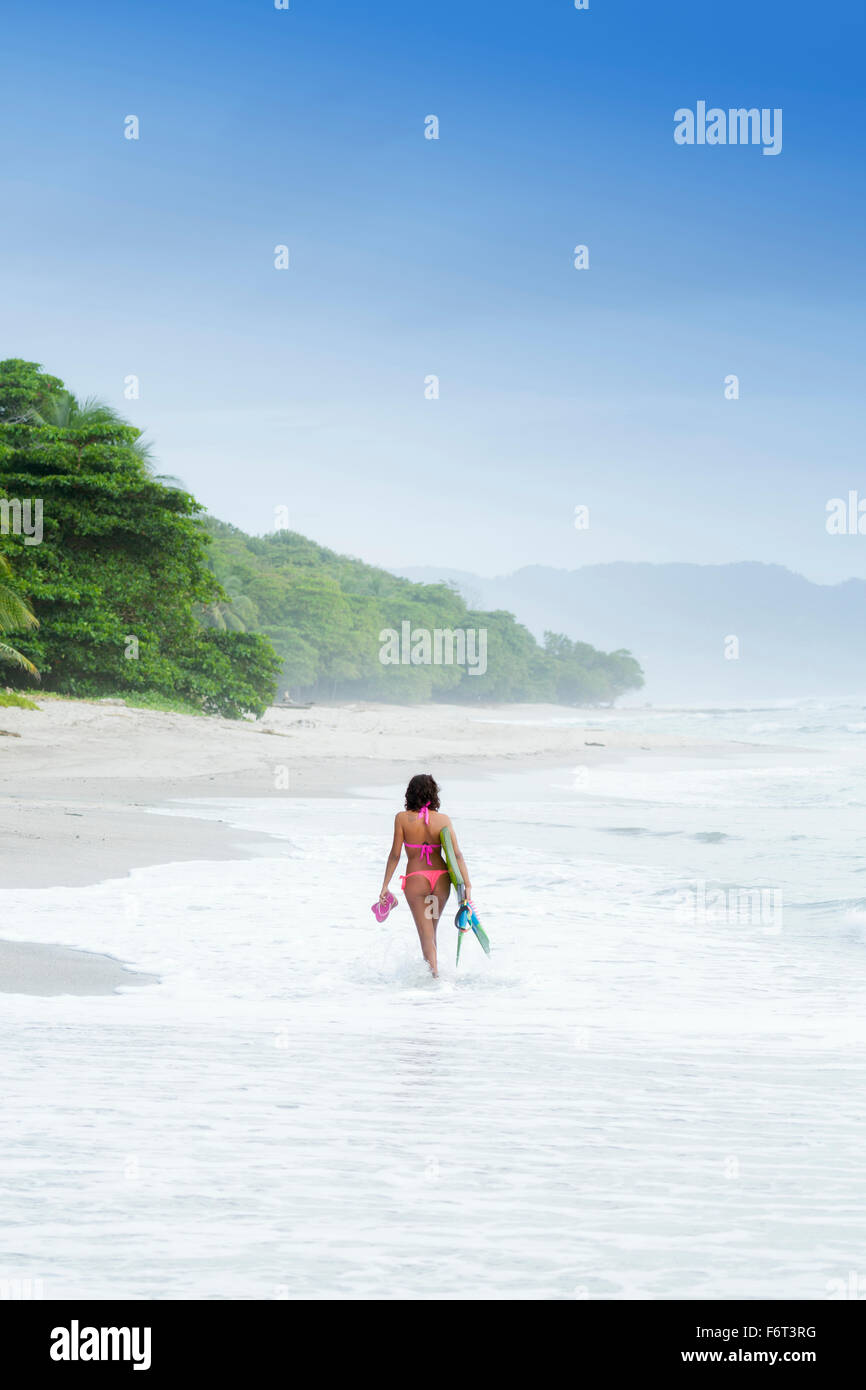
624 1099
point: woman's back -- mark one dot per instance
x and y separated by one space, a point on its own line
421 831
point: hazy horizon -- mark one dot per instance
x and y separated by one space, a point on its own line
407 570
715 635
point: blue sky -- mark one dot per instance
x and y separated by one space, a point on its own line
304 388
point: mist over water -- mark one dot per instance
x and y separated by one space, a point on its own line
637 1095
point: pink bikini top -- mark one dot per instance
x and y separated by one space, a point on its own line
427 850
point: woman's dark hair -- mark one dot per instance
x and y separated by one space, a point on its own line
422 791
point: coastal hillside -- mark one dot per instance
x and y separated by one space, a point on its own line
114 581
325 615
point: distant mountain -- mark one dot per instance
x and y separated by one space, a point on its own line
795 638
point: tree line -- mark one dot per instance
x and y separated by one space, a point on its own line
132 588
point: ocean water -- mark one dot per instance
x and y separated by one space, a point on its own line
652 1089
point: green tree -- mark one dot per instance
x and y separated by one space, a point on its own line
229 673
83 420
583 675
24 387
122 563
15 616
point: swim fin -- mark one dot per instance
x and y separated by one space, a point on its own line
462 923
479 931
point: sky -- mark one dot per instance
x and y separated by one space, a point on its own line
297 396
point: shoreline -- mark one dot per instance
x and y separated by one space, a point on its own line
30 967
82 784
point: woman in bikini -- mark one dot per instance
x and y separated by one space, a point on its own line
425 882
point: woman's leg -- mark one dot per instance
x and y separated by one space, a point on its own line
425 907
443 888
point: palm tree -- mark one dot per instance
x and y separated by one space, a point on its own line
65 412
15 614
235 613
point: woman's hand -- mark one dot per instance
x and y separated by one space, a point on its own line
468 887
384 893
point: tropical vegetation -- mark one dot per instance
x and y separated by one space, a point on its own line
325 613
137 592
121 564
15 614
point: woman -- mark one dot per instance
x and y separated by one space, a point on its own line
425 882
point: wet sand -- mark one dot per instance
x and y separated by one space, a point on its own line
29 968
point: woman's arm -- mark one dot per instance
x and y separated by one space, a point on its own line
461 862
393 857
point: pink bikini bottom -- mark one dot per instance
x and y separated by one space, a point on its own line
431 875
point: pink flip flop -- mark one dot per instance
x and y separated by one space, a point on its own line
380 910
